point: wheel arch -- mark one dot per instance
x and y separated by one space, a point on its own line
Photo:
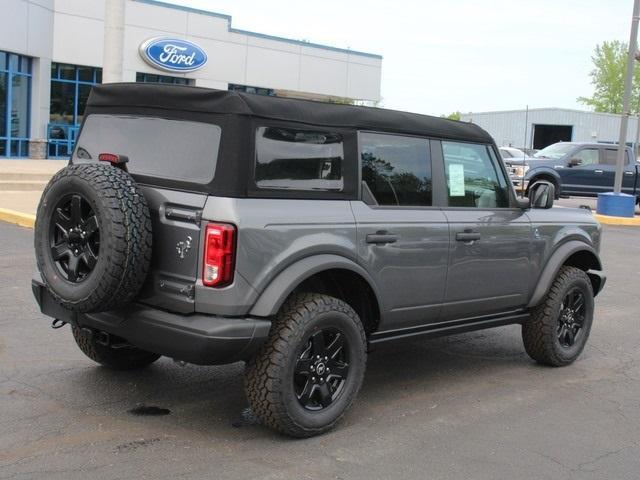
573 253
330 274
546 174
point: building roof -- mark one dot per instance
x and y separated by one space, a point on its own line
141 96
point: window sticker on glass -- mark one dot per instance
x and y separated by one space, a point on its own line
456 180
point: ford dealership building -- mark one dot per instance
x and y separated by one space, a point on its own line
51 53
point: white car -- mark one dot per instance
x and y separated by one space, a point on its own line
510 152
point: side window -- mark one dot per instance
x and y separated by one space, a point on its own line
473 176
611 156
297 159
588 156
396 169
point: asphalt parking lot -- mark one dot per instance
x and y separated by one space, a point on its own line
471 406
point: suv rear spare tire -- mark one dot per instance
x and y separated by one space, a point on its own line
93 237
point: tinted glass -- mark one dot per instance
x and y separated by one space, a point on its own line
85 74
473 176
156 147
20 106
67 72
611 157
296 159
396 169
62 102
3 105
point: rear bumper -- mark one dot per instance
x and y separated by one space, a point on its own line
196 338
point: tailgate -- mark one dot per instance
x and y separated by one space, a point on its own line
176 239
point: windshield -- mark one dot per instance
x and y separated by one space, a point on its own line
555 151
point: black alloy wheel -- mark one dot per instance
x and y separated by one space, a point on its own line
321 370
559 326
74 237
309 371
571 318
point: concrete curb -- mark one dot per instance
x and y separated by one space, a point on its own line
17 218
626 221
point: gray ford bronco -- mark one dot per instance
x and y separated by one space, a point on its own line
213 227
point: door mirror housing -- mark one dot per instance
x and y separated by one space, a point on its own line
542 194
574 162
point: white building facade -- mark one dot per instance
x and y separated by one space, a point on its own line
51 53
539 127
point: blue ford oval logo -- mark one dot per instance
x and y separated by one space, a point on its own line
173 54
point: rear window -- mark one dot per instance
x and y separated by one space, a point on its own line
296 159
157 147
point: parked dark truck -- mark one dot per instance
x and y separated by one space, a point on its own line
212 227
582 169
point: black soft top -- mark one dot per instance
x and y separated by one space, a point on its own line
141 97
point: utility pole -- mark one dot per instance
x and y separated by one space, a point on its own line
113 41
624 122
636 147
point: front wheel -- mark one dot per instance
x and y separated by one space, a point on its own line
559 327
310 370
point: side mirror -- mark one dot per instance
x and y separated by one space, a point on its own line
542 194
574 162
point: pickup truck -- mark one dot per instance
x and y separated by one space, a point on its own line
583 169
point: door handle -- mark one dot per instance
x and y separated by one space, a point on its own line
598 171
467 236
381 238
629 173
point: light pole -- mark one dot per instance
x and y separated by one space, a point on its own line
617 203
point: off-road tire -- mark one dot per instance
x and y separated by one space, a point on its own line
269 374
124 358
539 333
124 233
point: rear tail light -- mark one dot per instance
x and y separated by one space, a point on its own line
219 254
113 158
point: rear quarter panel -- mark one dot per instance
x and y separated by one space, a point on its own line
272 235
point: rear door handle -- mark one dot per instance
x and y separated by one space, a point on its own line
381 238
467 236
629 173
598 171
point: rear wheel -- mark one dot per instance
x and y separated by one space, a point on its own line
125 357
310 370
559 327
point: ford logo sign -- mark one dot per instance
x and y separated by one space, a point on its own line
173 54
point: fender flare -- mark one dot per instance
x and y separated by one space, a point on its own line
557 259
272 298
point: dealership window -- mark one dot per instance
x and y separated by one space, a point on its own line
154 78
70 88
15 86
256 90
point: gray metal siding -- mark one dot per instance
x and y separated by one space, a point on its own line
508 127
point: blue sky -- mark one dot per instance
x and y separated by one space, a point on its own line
447 55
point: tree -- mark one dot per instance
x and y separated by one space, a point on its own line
452 116
610 63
